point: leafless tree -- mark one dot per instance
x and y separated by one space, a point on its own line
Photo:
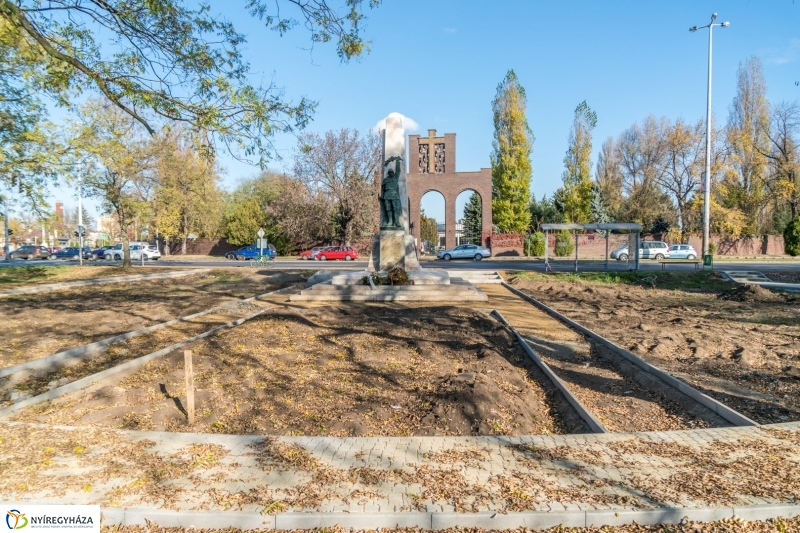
684 156
344 167
609 175
642 152
783 154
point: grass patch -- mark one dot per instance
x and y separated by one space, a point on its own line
701 280
16 275
224 276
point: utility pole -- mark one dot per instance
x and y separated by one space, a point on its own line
5 224
707 176
80 224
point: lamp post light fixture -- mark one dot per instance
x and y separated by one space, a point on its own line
707 174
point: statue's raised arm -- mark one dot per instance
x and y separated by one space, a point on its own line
397 160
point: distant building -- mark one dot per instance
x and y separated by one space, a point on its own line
441 227
59 212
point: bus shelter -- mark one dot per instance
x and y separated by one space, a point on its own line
633 243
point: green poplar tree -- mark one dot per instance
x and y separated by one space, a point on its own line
577 176
472 220
511 158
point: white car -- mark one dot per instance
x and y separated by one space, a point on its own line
465 251
682 251
116 252
657 250
150 252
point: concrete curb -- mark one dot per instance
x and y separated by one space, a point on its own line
434 521
593 423
732 416
94 348
765 282
101 281
88 381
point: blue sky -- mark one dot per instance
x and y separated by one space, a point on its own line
439 63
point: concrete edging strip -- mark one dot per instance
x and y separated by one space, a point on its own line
732 416
133 364
440 520
101 281
91 349
594 424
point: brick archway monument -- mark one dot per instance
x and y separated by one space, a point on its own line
432 167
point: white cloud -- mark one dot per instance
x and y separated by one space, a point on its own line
409 124
449 30
781 56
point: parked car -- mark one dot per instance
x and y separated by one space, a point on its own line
682 251
252 252
29 252
101 252
657 250
149 252
465 251
73 252
347 253
311 254
117 252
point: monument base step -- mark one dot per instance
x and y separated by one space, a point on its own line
477 276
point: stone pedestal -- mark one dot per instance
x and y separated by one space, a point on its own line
393 248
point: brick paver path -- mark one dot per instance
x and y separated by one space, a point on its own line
698 468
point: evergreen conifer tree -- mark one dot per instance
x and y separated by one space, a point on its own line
599 211
472 220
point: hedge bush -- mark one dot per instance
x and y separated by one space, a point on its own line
791 237
534 244
565 244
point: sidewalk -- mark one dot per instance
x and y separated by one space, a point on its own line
571 477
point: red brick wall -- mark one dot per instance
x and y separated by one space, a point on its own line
744 246
507 245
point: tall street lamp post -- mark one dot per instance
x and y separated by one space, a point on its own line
707 180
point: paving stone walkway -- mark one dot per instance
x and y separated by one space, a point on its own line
205 472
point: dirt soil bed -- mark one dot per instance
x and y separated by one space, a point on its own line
345 370
37 325
739 345
29 273
621 396
35 382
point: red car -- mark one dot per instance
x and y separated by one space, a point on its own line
310 254
347 253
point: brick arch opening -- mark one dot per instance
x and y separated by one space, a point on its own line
465 236
432 167
432 196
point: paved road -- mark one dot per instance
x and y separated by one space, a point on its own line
492 264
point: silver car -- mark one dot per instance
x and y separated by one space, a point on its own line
465 251
657 250
682 251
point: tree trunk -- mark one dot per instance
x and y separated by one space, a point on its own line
682 221
126 249
185 235
166 246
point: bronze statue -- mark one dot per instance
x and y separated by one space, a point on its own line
391 208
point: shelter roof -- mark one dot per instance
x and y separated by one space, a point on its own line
613 226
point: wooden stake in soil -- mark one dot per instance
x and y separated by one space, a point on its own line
187 365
